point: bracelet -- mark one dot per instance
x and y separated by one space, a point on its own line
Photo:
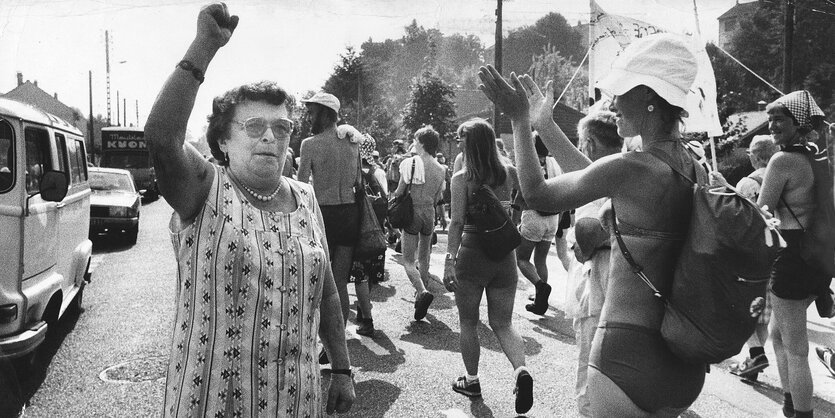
348 372
190 67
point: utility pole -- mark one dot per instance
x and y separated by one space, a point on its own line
498 59
137 112
107 63
117 108
359 98
788 41
90 141
124 111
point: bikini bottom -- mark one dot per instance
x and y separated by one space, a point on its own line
637 359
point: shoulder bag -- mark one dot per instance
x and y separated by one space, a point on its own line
401 209
371 239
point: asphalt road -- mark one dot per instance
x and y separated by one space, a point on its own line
110 360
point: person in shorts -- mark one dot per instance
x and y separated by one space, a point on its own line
425 177
537 229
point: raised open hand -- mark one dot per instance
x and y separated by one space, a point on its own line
215 25
511 98
542 105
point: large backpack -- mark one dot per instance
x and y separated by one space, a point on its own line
393 170
819 239
721 275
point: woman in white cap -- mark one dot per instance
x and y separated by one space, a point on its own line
788 187
631 373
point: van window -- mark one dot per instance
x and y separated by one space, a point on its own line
63 164
81 157
78 166
7 150
37 158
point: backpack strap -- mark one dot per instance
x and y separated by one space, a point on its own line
701 175
636 268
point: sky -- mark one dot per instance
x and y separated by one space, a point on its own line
294 42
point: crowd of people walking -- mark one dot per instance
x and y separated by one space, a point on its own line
265 259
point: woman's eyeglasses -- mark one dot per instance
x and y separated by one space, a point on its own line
255 127
460 138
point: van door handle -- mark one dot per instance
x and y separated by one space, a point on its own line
59 205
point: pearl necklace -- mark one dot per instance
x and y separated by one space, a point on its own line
261 197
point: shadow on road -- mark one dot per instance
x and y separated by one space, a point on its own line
436 335
21 379
374 397
367 360
114 243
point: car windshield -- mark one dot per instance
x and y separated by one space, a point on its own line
110 181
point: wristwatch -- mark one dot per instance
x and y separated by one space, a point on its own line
449 257
190 67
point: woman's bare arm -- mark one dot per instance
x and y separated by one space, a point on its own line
183 175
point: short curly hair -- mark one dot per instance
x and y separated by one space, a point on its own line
429 138
599 125
223 110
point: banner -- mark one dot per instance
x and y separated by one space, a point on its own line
610 34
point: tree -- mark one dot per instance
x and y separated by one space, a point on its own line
551 65
758 43
551 32
430 103
730 82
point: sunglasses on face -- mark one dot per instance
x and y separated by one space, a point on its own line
461 138
257 126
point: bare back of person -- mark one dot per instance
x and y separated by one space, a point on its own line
654 200
434 176
798 189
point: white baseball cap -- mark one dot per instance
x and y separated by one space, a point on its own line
662 62
324 99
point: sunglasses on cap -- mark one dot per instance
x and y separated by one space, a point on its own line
256 126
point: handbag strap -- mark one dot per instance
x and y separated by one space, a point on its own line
411 176
636 268
359 183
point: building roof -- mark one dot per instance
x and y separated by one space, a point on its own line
469 104
740 9
30 93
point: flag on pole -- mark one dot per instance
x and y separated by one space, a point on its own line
609 34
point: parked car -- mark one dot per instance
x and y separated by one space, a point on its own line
44 206
115 203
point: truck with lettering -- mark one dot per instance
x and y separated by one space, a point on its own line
125 147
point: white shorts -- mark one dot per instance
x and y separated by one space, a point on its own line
535 227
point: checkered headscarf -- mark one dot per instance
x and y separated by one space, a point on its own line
802 106
367 147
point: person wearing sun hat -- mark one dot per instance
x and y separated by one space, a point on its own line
330 157
788 187
632 372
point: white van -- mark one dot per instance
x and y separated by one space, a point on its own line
44 218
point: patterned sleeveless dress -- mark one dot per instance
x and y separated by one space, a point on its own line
247 316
